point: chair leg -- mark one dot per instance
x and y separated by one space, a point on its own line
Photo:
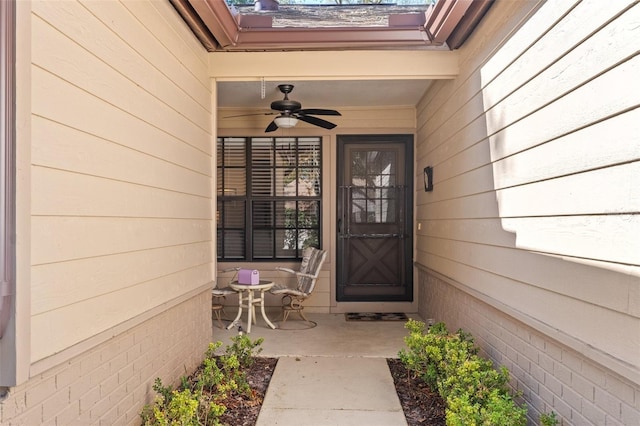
301 313
293 304
217 306
285 315
217 310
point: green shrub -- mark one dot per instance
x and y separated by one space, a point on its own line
244 349
200 398
475 392
549 419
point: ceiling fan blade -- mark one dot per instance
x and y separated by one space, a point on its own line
272 127
315 111
316 121
247 115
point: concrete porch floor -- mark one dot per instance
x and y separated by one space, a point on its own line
333 336
333 374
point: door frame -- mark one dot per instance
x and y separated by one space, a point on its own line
408 140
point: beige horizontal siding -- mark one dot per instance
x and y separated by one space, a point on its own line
536 156
74 151
66 238
118 37
99 80
71 323
65 283
121 171
618 247
94 116
61 193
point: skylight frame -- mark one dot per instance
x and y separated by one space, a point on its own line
217 28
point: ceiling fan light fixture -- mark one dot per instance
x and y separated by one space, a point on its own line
286 122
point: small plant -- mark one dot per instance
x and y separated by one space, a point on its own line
171 407
475 392
549 419
200 398
244 349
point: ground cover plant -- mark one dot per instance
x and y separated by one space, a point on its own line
222 391
476 394
549 419
439 380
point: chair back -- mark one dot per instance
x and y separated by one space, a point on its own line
312 260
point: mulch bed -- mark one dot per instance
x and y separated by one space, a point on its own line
421 406
242 411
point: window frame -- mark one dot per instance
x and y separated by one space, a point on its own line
7 162
250 199
13 367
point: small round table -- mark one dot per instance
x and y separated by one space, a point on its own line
245 294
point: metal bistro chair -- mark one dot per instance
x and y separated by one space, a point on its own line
218 296
306 277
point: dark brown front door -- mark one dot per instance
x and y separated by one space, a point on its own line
374 205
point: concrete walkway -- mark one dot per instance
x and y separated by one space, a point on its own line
333 374
317 391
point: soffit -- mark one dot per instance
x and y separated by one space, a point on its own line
242 95
329 79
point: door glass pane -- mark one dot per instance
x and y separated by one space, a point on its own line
358 168
381 164
373 174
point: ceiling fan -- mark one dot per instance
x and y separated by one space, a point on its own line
291 111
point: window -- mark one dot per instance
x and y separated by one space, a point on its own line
269 197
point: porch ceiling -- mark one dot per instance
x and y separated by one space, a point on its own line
324 93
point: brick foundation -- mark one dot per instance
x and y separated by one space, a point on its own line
551 376
110 384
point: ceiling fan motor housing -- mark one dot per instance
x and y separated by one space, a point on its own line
286 104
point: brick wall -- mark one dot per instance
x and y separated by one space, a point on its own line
551 377
109 384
